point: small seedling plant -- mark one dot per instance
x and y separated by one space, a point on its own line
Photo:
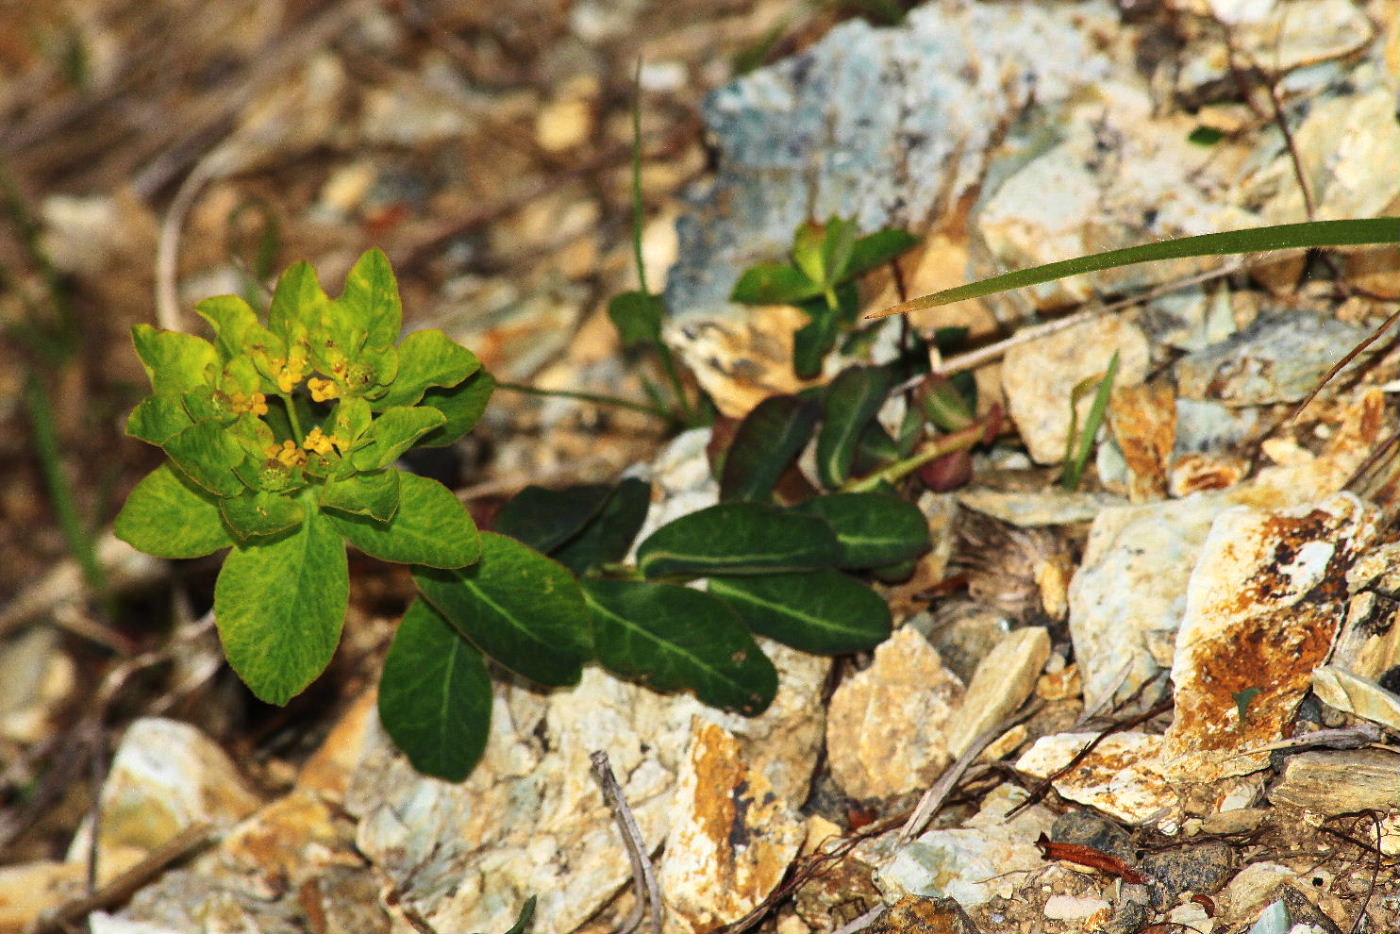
826 262
283 436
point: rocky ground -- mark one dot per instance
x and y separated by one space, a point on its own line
1164 701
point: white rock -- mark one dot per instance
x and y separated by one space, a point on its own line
1122 777
887 726
1001 684
1062 907
1262 609
1042 507
1039 379
971 864
732 837
1128 596
467 856
1356 695
166 776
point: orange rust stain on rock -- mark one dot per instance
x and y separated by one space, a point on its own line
1143 419
719 774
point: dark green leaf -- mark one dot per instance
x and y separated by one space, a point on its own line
435 695
259 514
375 495
879 248
873 529
544 519
608 535
852 401
280 607
519 607
896 573
738 538
823 612
874 450
944 403
1205 136
637 317
431 528
774 284
848 304
463 405
674 638
169 517
812 342
768 439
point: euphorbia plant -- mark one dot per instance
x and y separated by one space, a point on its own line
282 438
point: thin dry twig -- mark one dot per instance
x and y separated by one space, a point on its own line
938 792
861 923
125 885
1341 364
648 890
1043 787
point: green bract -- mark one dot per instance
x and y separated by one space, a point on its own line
282 437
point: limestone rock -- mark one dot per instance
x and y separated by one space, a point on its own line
1128 596
1340 781
1262 608
1355 695
165 777
887 725
732 837
531 821
1039 378
1279 358
1121 777
1003 681
973 863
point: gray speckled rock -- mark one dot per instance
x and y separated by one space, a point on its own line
887 126
1278 358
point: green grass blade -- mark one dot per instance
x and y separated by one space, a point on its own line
1256 240
1074 470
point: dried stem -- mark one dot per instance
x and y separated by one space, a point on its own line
648 891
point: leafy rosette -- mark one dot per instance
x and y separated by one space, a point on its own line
282 439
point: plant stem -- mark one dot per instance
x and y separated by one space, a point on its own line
668 363
292 418
618 569
637 176
595 398
968 437
41 420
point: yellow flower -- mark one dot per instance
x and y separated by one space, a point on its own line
242 402
322 390
319 442
290 372
289 455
